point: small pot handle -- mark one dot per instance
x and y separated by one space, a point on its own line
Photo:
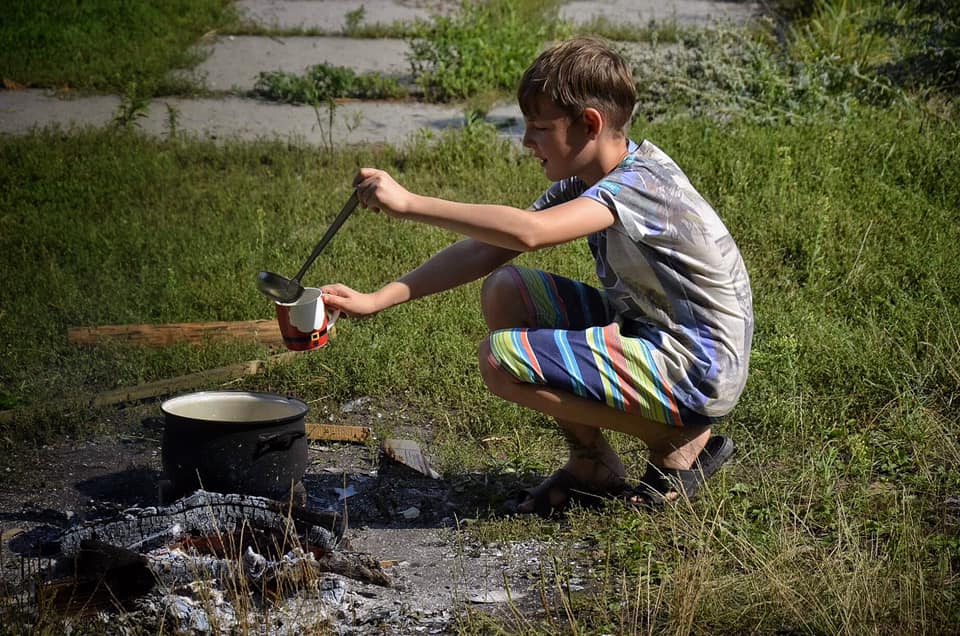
269 442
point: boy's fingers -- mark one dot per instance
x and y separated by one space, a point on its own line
336 291
363 174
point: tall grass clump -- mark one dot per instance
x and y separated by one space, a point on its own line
929 34
484 46
108 45
836 55
728 73
324 82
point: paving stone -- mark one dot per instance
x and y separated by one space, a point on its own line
20 111
355 122
235 62
642 12
330 15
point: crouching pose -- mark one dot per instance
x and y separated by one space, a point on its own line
659 350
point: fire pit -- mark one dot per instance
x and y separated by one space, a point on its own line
243 542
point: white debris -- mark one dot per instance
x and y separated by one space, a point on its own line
494 596
343 493
353 405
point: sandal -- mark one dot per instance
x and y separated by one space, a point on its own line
660 485
572 490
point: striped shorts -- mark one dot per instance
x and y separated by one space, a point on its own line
577 347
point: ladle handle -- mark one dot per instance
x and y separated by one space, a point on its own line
347 210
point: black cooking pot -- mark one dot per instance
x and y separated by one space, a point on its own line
234 442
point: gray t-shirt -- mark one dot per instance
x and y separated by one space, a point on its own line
673 275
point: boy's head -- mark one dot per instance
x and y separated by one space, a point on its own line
578 74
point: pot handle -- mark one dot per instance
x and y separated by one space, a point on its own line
269 442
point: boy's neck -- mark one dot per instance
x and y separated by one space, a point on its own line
610 151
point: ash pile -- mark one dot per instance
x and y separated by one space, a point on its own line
208 563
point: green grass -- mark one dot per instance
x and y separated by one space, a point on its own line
324 82
484 46
106 45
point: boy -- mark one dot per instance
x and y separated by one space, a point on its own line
660 353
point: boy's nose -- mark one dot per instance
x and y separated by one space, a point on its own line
526 139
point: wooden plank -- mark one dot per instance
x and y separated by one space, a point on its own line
266 332
163 387
337 433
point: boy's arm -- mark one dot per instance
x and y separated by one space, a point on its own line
513 228
458 264
504 226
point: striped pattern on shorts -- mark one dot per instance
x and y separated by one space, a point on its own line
578 348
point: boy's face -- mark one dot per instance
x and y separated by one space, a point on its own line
556 140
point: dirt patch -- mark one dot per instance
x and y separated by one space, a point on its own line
413 524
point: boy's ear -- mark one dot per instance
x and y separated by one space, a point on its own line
593 121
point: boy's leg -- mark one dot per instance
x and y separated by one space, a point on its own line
670 447
517 298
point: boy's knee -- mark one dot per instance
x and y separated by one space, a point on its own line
496 379
499 283
500 299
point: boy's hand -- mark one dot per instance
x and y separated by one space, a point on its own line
351 302
378 191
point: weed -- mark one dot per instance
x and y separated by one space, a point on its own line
325 126
133 107
353 20
657 32
173 121
325 82
928 32
485 46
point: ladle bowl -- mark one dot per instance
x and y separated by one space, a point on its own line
279 288
287 290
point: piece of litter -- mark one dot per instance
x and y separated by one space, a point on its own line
494 596
343 493
408 453
338 433
354 404
411 513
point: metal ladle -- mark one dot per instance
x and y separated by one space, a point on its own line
286 290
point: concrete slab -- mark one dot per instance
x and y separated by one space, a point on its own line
330 15
355 122
642 12
235 62
21 111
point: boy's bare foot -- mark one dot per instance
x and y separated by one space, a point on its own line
590 475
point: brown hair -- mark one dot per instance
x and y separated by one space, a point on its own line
578 74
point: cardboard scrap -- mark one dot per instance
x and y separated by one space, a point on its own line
338 433
408 453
